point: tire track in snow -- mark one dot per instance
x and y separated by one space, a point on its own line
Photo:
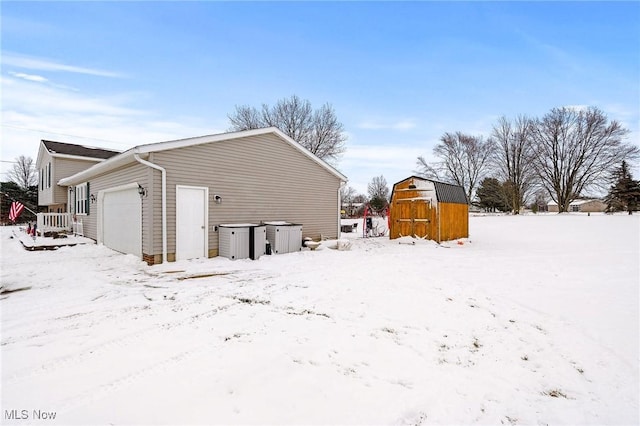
118 343
99 392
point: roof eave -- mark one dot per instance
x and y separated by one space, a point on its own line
181 143
144 150
100 168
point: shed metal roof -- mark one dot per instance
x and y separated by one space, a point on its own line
445 192
448 193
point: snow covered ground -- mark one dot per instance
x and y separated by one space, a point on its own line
532 320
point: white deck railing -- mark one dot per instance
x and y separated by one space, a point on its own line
54 222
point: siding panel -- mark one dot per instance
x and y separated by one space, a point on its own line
62 168
260 178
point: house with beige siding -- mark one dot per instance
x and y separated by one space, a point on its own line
165 201
583 205
57 160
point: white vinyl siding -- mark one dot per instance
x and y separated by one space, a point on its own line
260 178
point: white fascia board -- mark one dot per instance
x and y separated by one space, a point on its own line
76 157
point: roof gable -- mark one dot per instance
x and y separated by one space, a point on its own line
64 148
130 155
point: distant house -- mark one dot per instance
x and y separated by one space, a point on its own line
57 160
352 209
165 201
585 206
428 209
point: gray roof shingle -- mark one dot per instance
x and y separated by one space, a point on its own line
78 150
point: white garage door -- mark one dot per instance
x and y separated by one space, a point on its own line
122 221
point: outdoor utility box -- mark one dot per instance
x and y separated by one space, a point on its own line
242 240
284 237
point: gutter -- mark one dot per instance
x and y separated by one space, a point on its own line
164 202
342 184
101 167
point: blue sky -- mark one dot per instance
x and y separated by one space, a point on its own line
398 74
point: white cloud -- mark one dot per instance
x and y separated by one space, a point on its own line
395 162
29 77
32 111
42 64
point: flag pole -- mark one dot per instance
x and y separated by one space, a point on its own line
25 206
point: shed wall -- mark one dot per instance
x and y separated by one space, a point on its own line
413 211
454 221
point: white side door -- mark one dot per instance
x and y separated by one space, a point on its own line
192 222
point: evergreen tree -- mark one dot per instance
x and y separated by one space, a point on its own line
493 195
624 194
11 191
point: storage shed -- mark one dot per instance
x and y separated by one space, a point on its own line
425 208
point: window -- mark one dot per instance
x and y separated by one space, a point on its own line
82 199
45 177
575 208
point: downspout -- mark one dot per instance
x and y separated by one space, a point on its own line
342 184
164 203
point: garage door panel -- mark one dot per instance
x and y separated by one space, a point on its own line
122 221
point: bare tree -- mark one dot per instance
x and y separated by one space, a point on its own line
346 194
512 157
378 192
575 150
245 118
463 160
318 131
426 169
23 172
378 187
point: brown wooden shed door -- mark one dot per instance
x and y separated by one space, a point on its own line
414 218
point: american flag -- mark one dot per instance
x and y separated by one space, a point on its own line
15 210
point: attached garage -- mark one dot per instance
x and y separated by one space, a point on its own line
189 187
120 219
